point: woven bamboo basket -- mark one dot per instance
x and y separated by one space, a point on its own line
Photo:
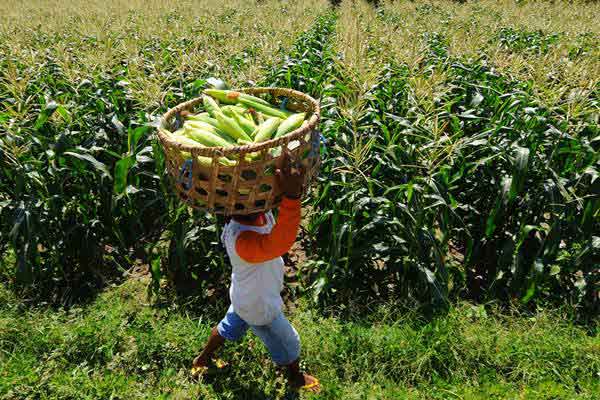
249 186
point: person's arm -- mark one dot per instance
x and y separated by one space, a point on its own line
254 247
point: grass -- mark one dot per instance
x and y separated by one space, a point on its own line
120 346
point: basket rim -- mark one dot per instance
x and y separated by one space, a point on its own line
165 137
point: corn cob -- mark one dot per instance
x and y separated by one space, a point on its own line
207 161
206 138
232 97
228 125
205 126
211 106
246 125
291 123
266 130
203 117
215 129
182 139
231 127
266 109
230 110
248 116
257 117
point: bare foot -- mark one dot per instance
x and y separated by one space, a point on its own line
306 382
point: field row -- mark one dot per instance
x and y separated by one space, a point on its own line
461 156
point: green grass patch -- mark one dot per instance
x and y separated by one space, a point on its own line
121 346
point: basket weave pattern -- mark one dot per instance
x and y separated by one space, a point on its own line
249 186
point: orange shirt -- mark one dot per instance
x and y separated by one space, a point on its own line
254 247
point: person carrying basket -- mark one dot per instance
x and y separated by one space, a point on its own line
255 244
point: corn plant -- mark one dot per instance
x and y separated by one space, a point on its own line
83 189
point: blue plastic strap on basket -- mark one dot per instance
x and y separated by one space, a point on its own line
323 139
186 168
283 105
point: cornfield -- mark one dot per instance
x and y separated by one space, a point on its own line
460 157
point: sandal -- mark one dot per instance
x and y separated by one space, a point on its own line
315 383
198 371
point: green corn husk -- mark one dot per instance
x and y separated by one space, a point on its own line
187 141
221 95
231 127
291 123
253 156
211 106
266 130
207 161
266 109
244 118
243 142
254 99
206 138
232 97
260 117
203 117
205 126
226 124
246 125
230 110
257 117
254 132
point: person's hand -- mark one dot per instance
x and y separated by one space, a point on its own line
290 176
